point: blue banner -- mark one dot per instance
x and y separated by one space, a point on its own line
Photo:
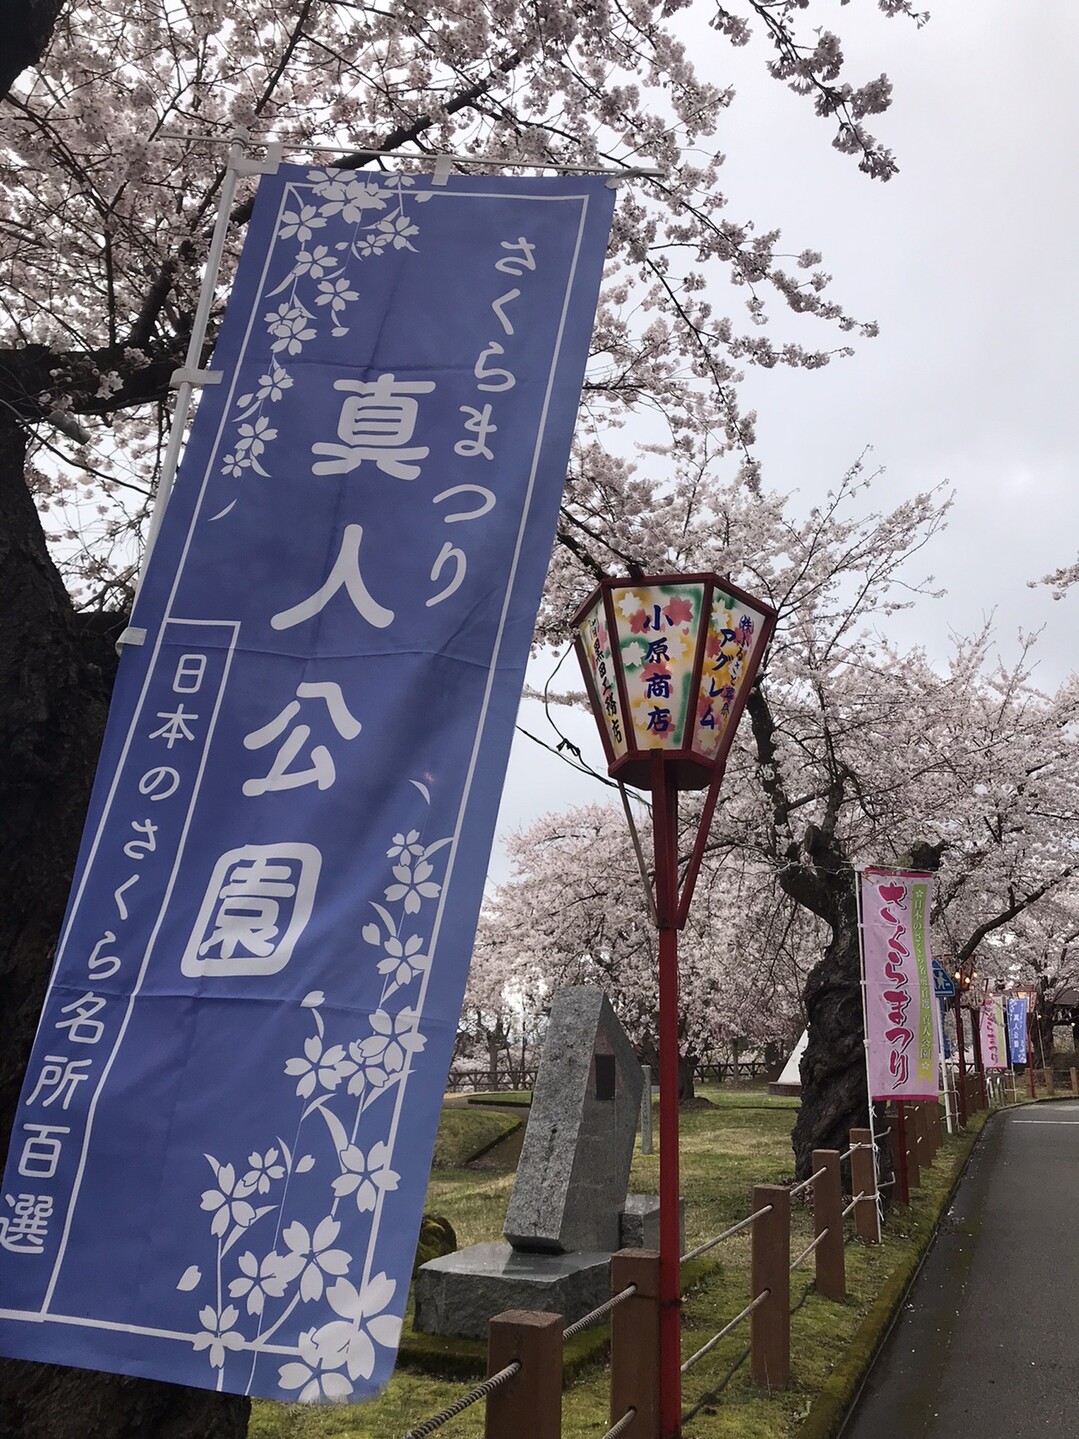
221 1155
949 1047
1017 1030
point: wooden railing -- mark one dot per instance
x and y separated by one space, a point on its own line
523 1391
525 1349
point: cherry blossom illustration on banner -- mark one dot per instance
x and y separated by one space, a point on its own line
342 1085
320 284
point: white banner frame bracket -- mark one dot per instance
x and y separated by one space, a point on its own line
268 165
186 375
131 635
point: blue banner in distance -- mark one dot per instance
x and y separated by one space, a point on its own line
221 1154
1017 1029
949 1047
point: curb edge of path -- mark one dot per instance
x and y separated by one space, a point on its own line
835 1403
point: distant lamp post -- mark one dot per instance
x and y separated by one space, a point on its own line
668 661
964 977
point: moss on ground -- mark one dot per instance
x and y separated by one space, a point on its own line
741 1139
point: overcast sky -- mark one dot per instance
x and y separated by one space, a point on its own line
967 260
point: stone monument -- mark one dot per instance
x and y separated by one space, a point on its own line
574 1169
568 1209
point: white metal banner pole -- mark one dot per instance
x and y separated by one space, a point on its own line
865 1033
949 1103
190 375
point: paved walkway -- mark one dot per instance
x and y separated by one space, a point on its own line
987 1344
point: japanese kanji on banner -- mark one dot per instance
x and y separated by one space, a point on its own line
900 1027
221 1155
1017 1029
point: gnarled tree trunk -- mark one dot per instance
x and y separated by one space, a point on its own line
56 671
834 1092
816 871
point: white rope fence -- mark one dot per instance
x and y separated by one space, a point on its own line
857 1198
597 1314
848 1152
808 1250
429 1426
734 1229
707 1348
797 1188
622 1425
460 1405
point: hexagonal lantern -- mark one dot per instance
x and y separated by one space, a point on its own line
668 661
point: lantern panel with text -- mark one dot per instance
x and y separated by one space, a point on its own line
668 661
597 663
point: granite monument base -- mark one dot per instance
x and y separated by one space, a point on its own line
458 1293
639 1222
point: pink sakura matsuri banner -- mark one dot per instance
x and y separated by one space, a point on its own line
898 972
994 1048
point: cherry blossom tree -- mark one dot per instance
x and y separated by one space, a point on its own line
104 224
575 912
965 766
854 753
1039 952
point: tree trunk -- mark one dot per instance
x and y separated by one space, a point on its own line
834 1093
687 1063
27 27
1042 1029
815 871
56 671
43 1401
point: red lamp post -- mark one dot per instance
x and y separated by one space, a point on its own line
963 977
969 992
668 661
1032 1005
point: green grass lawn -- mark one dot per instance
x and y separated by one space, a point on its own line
743 1140
465 1133
517 1097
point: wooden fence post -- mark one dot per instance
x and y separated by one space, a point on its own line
770 1322
531 1402
634 1343
1075 1081
863 1178
897 1144
925 1138
828 1215
1048 1072
914 1168
917 1138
